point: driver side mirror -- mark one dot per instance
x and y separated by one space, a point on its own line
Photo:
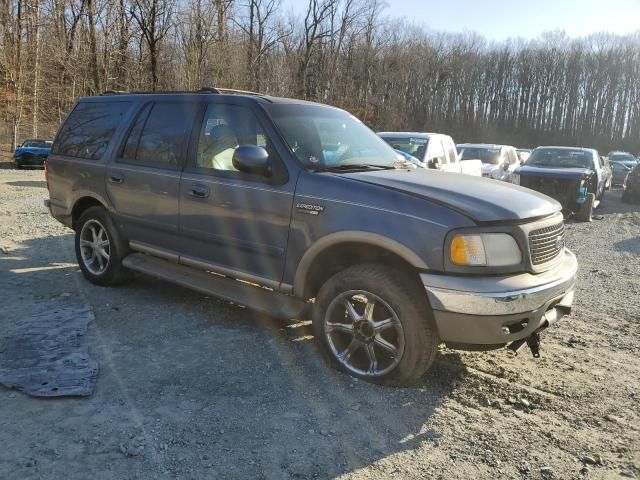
252 159
433 163
505 166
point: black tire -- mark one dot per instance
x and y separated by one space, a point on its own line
113 271
393 292
585 214
18 166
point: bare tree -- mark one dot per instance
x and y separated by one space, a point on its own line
154 20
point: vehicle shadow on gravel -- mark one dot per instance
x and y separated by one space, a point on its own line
224 391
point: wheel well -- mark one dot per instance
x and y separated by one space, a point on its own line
345 255
81 206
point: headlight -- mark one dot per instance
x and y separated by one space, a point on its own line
485 249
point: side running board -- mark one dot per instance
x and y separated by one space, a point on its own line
256 298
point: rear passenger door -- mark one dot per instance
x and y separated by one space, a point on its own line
232 222
143 181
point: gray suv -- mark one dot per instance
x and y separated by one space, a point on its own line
297 209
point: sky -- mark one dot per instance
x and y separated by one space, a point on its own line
501 19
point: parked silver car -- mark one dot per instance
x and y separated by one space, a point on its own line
498 161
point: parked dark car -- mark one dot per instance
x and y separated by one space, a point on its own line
32 153
621 164
573 176
206 189
631 192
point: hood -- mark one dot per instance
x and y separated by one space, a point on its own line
33 150
568 173
480 199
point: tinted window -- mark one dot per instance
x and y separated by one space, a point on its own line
131 146
158 136
89 128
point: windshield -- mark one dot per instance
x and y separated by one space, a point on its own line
485 154
37 144
414 146
622 157
560 158
324 137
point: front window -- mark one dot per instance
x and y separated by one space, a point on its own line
485 154
560 158
622 157
323 137
37 144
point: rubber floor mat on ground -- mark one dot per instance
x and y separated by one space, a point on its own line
41 354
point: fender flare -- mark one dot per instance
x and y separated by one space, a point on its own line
351 236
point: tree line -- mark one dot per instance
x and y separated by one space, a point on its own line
390 73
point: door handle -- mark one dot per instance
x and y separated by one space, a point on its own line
199 191
116 178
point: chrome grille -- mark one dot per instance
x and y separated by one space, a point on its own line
546 243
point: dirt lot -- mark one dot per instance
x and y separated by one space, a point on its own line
192 387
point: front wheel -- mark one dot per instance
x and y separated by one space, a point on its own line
585 214
374 323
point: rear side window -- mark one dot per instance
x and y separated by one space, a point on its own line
158 136
89 128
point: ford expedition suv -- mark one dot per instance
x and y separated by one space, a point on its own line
297 209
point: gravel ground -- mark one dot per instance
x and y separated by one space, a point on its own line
193 387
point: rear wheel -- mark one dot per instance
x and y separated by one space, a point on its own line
585 214
375 324
99 248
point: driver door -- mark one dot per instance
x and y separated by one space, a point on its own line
232 222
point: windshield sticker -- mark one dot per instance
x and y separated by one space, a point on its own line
421 141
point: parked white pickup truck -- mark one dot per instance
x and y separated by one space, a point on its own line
434 150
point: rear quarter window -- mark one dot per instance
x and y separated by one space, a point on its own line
89 129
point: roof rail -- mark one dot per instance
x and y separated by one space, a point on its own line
213 90
238 92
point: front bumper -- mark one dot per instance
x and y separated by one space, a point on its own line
498 310
30 160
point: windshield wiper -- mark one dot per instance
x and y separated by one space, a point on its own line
353 167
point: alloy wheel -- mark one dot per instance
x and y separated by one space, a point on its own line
364 333
95 248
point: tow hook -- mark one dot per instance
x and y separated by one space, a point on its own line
532 341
